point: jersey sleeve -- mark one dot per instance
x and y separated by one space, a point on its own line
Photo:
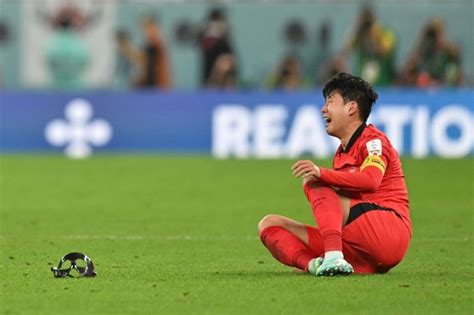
370 173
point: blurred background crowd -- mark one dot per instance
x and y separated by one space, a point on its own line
103 44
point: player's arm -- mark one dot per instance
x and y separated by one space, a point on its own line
367 179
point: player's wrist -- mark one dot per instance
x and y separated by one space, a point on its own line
322 170
317 171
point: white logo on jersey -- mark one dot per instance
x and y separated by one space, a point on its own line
374 147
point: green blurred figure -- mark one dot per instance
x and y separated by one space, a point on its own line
434 61
374 46
67 56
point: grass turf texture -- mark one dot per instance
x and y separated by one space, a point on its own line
177 235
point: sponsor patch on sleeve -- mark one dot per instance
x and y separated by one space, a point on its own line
374 160
374 147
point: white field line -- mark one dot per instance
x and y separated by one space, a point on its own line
205 238
144 238
159 238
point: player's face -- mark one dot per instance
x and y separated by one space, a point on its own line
335 114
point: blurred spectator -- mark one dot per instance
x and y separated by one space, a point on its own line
128 60
67 55
300 60
155 68
374 46
434 61
219 66
328 64
331 68
4 39
288 75
322 51
223 73
409 73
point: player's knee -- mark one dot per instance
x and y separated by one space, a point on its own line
269 220
312 188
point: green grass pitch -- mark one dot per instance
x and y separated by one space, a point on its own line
177 235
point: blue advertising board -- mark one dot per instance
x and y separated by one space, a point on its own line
226 124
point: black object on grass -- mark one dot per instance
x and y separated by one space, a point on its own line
72 258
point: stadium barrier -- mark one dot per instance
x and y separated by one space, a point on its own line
239 124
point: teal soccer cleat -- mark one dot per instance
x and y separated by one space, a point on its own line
314 264
330 267
334 267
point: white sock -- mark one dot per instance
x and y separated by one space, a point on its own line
334 254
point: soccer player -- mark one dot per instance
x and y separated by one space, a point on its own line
360 205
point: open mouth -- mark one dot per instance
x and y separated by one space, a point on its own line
327 120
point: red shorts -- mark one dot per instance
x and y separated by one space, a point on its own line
374 239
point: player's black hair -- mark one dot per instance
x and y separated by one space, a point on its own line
355 89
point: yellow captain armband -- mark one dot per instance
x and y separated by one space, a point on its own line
374 160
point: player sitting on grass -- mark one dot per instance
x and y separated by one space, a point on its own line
360 205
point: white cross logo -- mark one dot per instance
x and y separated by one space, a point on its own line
77 132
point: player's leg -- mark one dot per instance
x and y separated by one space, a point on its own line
330 212
290 242
295 227
374 240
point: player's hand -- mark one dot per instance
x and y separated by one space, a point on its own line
306 169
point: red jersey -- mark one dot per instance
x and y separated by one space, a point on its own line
369 169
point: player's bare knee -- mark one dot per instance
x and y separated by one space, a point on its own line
269 220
